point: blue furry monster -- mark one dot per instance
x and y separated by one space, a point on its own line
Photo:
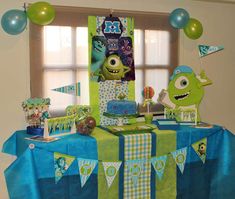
99 49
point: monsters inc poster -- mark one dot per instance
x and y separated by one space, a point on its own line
111 62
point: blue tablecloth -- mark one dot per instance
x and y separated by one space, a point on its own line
31 175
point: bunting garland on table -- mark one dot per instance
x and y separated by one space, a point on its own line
86 167
73 89
111 170
180 158
159 164
200 149
135 168
62 163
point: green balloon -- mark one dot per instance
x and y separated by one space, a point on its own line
193 29
41 13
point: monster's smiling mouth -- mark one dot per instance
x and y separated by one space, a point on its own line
112 70
182 96
97 49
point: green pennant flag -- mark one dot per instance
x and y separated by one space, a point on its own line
61 164
200 149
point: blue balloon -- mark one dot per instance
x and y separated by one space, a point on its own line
14 21
179 18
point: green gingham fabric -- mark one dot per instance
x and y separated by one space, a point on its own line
137 146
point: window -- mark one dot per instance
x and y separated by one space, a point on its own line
59 54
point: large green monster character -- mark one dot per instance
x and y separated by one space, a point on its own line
185 90
112 69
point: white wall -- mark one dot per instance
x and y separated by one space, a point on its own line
217 19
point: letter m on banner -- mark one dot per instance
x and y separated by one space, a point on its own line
112 27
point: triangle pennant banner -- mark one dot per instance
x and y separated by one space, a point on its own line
111 170
135 168
73 89
180 158
159 164
206 50
200 149
86 167
61 164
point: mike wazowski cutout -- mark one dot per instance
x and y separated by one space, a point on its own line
112 69
185 91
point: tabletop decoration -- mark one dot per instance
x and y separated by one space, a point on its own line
184 94
36 112
148 94
86 126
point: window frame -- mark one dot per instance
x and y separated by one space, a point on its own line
76 16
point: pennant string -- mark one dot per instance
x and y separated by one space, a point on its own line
146 159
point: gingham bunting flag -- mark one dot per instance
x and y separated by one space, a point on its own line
180 158
135 168
111 170
86 167
206 50
200 149
61 164
73 89
159 164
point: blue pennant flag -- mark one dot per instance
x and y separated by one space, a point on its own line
86 167
206 50
73 89
159 164
135 168
180 158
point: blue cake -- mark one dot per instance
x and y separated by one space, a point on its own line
121 107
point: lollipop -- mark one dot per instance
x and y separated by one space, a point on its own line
148 92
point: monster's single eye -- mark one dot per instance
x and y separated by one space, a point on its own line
182 82
114 62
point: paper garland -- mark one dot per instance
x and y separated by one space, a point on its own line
62 162
205 50
111 170
159 164
135 168
73 89
200 149
86 167
180 158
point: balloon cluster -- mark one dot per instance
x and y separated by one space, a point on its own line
14 21
180 19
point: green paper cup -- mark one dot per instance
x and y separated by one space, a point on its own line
148 118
